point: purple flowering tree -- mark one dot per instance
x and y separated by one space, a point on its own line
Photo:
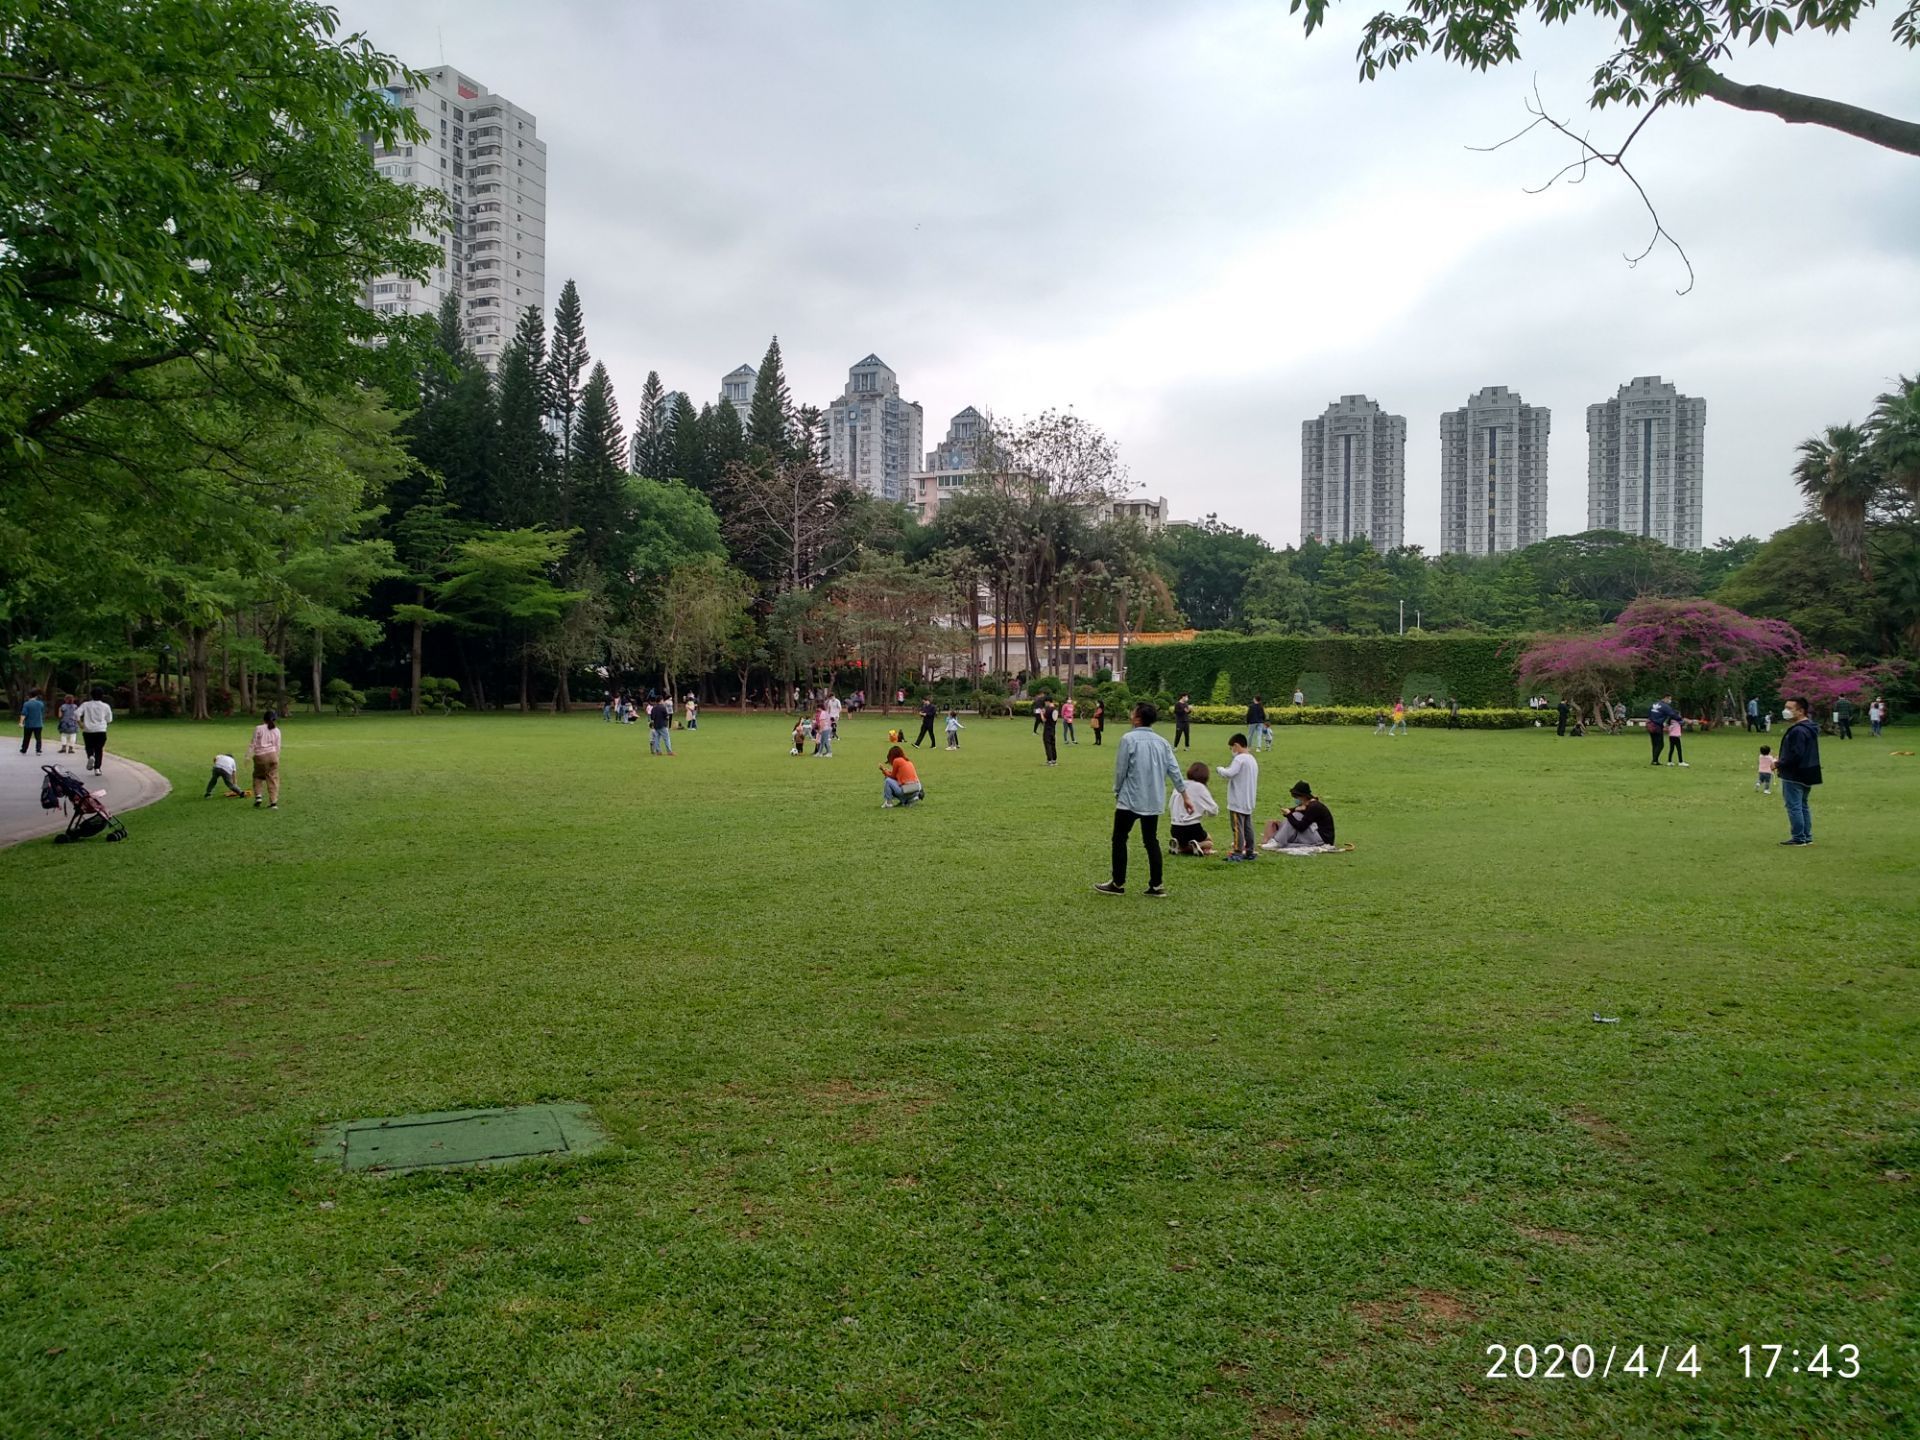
1590 670
1698 651
1826 680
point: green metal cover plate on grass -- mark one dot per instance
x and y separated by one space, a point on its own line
458 1139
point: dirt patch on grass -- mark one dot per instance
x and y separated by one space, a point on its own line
1427 1316
1599 1128
1546 1235
1275 1422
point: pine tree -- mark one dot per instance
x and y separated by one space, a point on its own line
650 430
726 442
687 446
599 471
451 435
770 417
523 491
566 358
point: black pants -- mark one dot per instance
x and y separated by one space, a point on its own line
1183 731
96 743
1149 836
1846 728
1673 748
1096 734
1653 734
31 732
1563 726
1047 738
1753 723
219 776
926 733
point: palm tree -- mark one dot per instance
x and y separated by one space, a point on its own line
1893 430
1838 476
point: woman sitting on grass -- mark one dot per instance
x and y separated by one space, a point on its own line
1307 824
902 785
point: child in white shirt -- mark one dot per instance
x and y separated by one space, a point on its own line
1187 811
1242 774
954 727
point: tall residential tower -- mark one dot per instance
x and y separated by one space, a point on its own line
1644 462
1353 474
1493 474
873 436
482 153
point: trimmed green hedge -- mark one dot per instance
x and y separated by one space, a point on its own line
1334 670
1434 719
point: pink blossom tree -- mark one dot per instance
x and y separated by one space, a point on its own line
1589 669
1825 680
1695 650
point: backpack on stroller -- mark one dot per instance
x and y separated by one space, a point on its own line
87 815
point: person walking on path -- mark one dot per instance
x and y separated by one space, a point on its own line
33 720
1876 715
1100 720
928 712
1183 722
1843 717
1799 770
1564 708
1141 762
95 716
265 753
70 725
224 769
1049 718
1066 722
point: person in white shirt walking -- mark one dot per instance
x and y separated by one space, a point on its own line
95 716
265 751
1242 774
224 769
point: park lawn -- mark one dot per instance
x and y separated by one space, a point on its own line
915 1133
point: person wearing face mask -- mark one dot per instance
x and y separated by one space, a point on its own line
1799 769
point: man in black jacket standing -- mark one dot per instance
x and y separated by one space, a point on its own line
1799 770
1657 718
1257 725
1183 721
928 712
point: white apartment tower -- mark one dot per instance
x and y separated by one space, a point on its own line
1645 462
1353 474
482 153
874 436
736 388
1493 474
952 465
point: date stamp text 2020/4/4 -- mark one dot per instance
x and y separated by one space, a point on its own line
1557 1361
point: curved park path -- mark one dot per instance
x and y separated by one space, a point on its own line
128 783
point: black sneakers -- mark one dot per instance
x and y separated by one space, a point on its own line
1156 892
1109 888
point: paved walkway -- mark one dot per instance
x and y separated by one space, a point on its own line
128 784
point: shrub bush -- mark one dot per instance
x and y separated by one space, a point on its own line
344 698
1356 669
440 695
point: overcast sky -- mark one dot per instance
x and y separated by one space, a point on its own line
1197 228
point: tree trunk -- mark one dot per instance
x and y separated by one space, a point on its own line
562 696
135 685
1120 636
197 663
317 661
419 634
476 692
526 701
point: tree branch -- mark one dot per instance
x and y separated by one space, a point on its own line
1895 134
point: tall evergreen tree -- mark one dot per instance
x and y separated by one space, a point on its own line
687 444
650 433
451 434
523 492
567 357
598 467
726 441
770 417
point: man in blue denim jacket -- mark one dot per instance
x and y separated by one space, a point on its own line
1141 763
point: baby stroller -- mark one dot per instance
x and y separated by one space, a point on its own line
88 817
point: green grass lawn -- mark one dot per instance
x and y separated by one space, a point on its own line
916 1134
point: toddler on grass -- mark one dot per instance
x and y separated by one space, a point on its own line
1763 782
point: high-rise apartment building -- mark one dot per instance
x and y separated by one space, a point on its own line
1353 474
1645 465
482 153
736 388
873 435
951 466
1493 474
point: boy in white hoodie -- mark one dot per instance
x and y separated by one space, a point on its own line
1242 774
1188 811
